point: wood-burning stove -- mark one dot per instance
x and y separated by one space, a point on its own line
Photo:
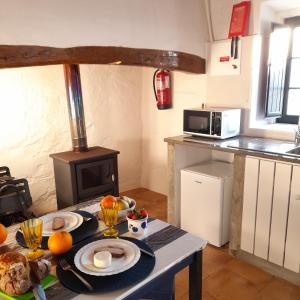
81 176
83 173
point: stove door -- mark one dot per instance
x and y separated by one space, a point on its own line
95 178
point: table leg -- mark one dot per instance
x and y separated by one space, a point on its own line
173 291
164 291
195 277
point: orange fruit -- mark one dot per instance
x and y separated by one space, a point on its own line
107 201
60 242
3 233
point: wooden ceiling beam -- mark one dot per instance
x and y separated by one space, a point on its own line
12 56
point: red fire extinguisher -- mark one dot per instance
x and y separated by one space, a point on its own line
162 88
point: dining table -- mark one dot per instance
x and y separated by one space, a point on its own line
174 250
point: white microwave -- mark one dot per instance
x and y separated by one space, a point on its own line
219 123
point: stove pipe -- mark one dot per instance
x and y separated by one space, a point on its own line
75 106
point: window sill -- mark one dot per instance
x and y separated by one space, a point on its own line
276 126
276 130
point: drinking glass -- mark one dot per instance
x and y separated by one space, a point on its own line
32 232
110 217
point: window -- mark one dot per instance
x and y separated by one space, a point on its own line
283 90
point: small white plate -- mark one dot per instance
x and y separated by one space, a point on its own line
72 221
84 258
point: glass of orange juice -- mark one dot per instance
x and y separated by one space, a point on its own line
32 232
109 208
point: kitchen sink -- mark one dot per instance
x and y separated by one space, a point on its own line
295 151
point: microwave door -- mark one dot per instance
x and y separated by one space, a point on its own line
197 122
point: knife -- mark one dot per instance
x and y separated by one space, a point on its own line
142 250
37 290
146 252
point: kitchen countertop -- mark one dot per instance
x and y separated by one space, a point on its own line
261 147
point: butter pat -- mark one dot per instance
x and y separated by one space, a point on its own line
102 259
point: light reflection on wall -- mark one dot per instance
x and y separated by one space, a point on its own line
34 123
13 107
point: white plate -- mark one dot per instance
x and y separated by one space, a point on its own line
72 221
84 258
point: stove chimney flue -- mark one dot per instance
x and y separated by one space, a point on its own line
75 106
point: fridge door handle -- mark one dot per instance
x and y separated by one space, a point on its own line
198 181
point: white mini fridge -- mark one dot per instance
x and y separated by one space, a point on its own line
206 194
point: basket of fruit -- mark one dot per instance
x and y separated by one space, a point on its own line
124 204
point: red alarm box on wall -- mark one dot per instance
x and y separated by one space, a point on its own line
239 19
238 25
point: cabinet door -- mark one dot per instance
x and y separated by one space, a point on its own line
264 208
279 212
292 250
201 206
249 204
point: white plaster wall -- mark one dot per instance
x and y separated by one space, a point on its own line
34 122
188 91
170 24
233 90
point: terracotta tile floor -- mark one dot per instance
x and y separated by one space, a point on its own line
224 277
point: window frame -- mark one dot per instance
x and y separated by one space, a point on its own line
285 118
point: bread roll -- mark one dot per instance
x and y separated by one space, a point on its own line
16 280
14 272
9 258
40 268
